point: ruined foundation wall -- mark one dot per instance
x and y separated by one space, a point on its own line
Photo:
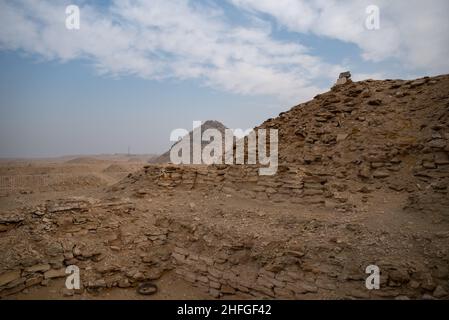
291 184
237 266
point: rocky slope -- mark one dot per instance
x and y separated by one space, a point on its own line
390 134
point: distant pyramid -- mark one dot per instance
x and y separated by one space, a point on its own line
209 124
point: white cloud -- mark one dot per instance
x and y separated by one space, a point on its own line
167 39
179 39
413 31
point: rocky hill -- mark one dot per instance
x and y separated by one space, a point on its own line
391 134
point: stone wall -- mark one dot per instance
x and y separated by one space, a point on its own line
235 266
291 183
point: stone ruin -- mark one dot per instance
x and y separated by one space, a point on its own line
344 78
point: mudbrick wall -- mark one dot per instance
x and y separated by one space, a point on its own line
291 183
424 183
291 270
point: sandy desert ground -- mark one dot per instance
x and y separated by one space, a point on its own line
27 182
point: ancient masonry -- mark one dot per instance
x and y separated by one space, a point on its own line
291 183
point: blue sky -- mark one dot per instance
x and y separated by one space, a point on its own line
136 70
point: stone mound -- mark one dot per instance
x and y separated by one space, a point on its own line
390 135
